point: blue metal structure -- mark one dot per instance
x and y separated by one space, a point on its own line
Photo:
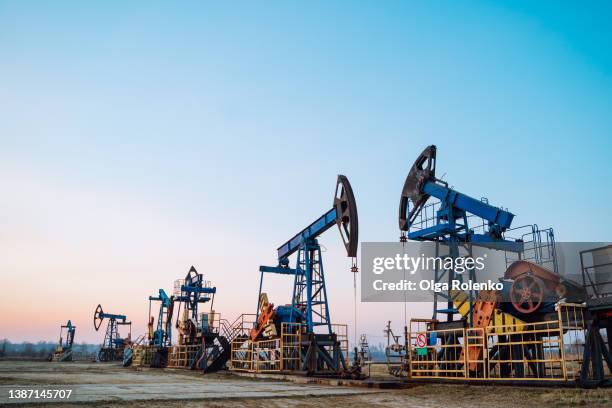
450 223
193 291
309 304
113 345
532 289
309 298
70 332
198 329
64 347
452 216
162 335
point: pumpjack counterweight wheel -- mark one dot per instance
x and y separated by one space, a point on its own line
422 171
527 293
97 319
346 215
532 284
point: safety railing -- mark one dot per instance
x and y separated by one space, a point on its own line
182 356
240 327
538 246
435 354
278 354
573 326
535 352
282 353
475 355
596 265
142 355
241 356
428 217
341 331
258 356
267 355
291 342
547 350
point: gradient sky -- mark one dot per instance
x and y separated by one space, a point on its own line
138 139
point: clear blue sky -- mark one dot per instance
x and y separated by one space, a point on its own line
138 138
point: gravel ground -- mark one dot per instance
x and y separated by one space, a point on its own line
106 385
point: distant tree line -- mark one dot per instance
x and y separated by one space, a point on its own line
39 350
43 349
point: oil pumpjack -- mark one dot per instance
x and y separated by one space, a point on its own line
300 337
63 352
113 345
532 289
200 344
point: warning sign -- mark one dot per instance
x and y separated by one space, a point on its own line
421 340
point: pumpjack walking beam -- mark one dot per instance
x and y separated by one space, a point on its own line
450 226
421 183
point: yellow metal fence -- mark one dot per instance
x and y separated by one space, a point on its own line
273 355
547 350
182 356
341 331
142 355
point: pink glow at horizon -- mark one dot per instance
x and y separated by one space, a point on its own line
83 247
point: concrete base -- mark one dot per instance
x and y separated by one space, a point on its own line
302 379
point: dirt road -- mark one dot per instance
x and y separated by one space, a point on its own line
112 385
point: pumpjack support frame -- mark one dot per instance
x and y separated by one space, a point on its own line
112 346
63 352
200 344
309 304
